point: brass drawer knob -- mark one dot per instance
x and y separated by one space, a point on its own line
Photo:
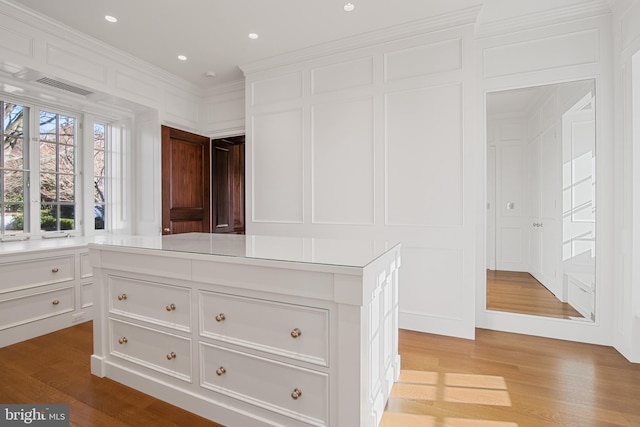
220 371
171 355
220 317
296 393
123 340
122 297
171 307
55 302
55 269
296 333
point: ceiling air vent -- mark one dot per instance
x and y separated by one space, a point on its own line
64 86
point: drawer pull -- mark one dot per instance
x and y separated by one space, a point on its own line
171 355
55 302
220 371
296 394
123 340
296 333
55 269
171 307
122 297
220 317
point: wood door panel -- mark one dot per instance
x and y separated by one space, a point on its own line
228 185
186 171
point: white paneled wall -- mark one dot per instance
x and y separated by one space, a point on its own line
376 143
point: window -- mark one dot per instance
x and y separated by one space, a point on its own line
57 172
99 131
14 169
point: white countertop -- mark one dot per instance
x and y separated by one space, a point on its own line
348 253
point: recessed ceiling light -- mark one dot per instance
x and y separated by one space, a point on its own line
111 18
253 36
182 57
349 7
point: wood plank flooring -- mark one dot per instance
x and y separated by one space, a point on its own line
518 292
500 380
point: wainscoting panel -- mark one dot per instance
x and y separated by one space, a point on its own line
424 153
345 75
272 90
277 166
423 60
78 61
13 40
563 50
139 86
343 162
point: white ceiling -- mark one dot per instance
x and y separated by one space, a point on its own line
213 34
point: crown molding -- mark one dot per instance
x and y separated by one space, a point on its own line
236 86
548 17
431 24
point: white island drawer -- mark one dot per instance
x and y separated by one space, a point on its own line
153 302
160 351
20 308
298 393
289 330
31 273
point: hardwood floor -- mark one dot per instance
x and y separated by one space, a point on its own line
500 379
518 292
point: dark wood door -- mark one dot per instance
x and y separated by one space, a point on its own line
186 171
228 185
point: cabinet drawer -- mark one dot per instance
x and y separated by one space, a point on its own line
293 331
153 302
162 352
17 309
44 271
295 392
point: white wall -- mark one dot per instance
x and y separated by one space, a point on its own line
377 143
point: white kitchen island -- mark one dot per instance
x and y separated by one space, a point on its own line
250 330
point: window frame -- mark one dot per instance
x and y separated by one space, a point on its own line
83 176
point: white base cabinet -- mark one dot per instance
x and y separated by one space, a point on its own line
44 287
246 337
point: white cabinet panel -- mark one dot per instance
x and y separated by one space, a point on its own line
343 162
424 157
277 171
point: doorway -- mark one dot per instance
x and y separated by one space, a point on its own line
203 184
228 185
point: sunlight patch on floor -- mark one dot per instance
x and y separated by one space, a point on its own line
433 387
